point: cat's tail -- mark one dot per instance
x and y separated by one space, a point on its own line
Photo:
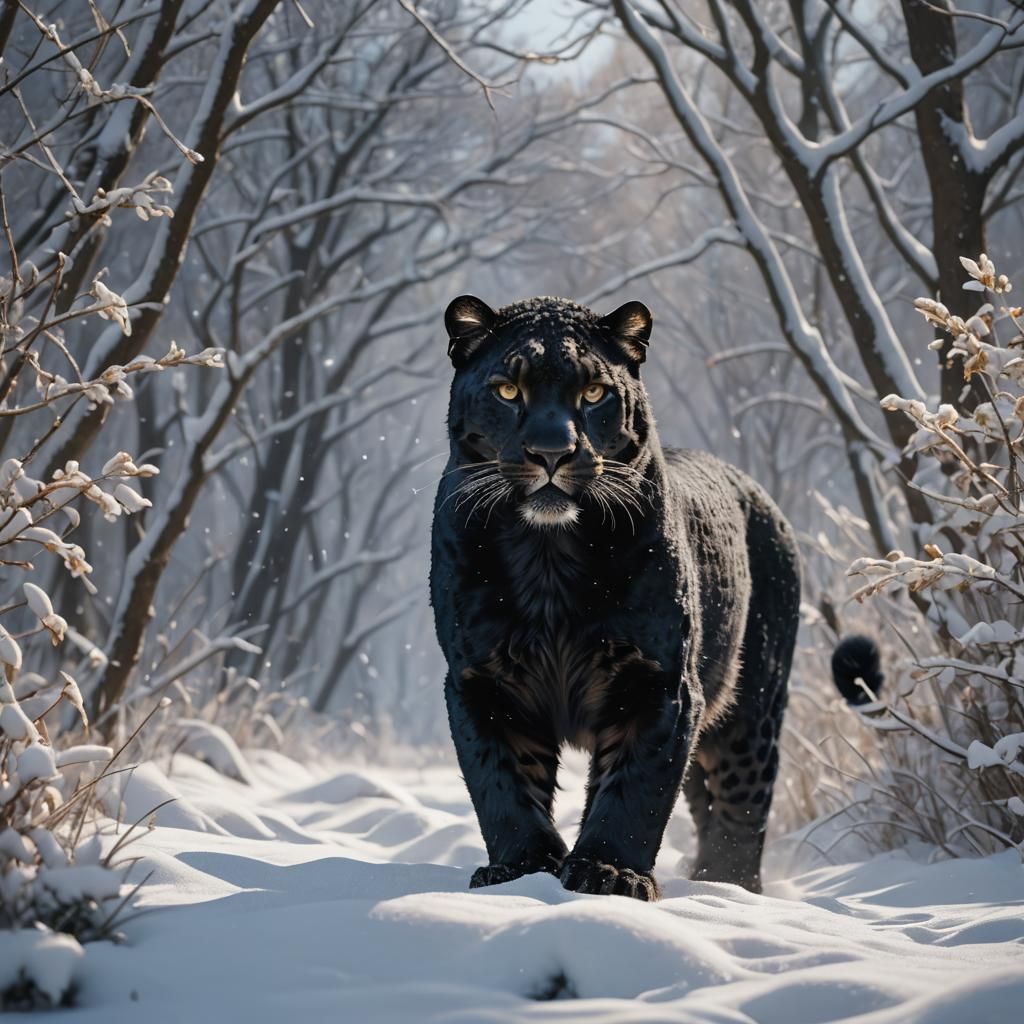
857 657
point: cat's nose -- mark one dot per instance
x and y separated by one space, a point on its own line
549 458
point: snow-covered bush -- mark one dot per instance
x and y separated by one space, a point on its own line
956 774
57 887
59 880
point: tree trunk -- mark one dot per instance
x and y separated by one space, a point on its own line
957 191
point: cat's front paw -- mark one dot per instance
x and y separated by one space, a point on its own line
583 874
495 874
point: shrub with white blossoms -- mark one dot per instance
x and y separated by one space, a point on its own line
965 696
58 887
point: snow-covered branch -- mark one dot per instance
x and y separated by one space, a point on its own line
806 342
982 666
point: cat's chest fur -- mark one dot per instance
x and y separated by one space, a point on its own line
560 647
561 577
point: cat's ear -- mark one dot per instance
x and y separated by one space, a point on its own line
629 327
469 321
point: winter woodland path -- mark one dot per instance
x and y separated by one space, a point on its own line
343 898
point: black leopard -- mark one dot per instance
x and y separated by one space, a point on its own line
595 589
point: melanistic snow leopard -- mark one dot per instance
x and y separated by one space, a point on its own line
593 588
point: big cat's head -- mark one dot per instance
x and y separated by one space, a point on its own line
547 410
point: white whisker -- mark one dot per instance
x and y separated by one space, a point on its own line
501 495
475 479
497 487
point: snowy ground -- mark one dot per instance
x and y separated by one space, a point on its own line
343 898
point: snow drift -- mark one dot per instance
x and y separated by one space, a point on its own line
344 897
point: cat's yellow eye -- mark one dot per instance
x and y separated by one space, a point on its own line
594 392
507 391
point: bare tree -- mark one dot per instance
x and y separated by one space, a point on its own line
317 187
823 97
